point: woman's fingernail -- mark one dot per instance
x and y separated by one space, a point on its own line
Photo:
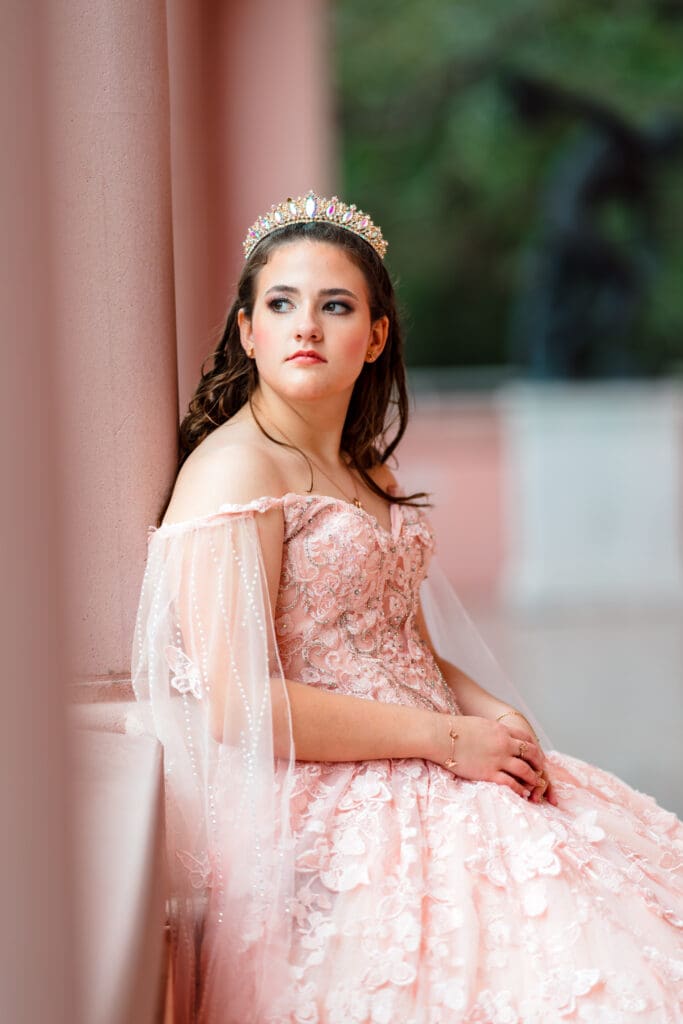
527 792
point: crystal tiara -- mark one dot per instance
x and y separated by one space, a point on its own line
313 208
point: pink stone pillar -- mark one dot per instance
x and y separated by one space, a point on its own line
114 326
251 123
36 934
150 198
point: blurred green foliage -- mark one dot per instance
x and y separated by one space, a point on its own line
432 148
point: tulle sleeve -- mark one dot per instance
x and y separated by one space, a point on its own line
205 667
457 640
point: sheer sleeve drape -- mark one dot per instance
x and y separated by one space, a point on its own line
457 639
205 662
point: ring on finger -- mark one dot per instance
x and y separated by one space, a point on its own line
522 748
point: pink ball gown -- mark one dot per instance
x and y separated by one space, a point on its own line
388 890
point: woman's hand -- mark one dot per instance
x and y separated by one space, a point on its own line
490 751
543 789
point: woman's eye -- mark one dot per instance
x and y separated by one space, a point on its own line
278 305
335 306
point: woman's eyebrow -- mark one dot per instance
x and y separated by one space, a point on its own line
289 290
283 288
338 291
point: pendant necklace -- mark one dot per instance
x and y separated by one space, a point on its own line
352 501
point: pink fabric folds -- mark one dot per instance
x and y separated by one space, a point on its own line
205 659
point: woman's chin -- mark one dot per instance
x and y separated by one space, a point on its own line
311 387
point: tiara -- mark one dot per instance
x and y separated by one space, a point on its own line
313 208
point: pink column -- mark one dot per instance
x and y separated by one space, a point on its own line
251 123
113 328
133 253
36 934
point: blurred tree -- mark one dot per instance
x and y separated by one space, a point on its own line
432 147
589 274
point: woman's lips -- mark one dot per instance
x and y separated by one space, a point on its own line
306 357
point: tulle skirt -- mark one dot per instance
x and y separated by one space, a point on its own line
422 898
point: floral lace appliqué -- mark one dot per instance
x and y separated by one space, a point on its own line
186 676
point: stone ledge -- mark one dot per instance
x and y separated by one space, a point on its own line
107 705
96 691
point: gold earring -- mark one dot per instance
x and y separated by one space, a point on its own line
370 357
250 351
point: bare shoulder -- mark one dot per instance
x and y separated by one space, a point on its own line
228 467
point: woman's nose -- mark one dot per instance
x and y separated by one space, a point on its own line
308 325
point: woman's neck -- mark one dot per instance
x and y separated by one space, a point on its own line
315 428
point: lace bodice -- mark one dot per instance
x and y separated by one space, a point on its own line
346 612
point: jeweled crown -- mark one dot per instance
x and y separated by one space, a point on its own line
309 208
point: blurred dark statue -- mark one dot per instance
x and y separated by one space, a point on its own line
587 273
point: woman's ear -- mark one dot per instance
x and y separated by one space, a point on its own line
244 324
379 333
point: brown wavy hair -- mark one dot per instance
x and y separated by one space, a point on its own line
231 378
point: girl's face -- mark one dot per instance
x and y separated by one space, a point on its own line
310 328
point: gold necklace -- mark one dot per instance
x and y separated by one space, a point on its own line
352 501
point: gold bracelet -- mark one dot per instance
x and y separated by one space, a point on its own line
509 713
450 762
505 713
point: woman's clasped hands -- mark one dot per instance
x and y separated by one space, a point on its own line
486 750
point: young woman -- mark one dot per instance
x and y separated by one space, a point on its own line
359 828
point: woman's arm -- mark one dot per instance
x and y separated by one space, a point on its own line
473 699
330 726
339 727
